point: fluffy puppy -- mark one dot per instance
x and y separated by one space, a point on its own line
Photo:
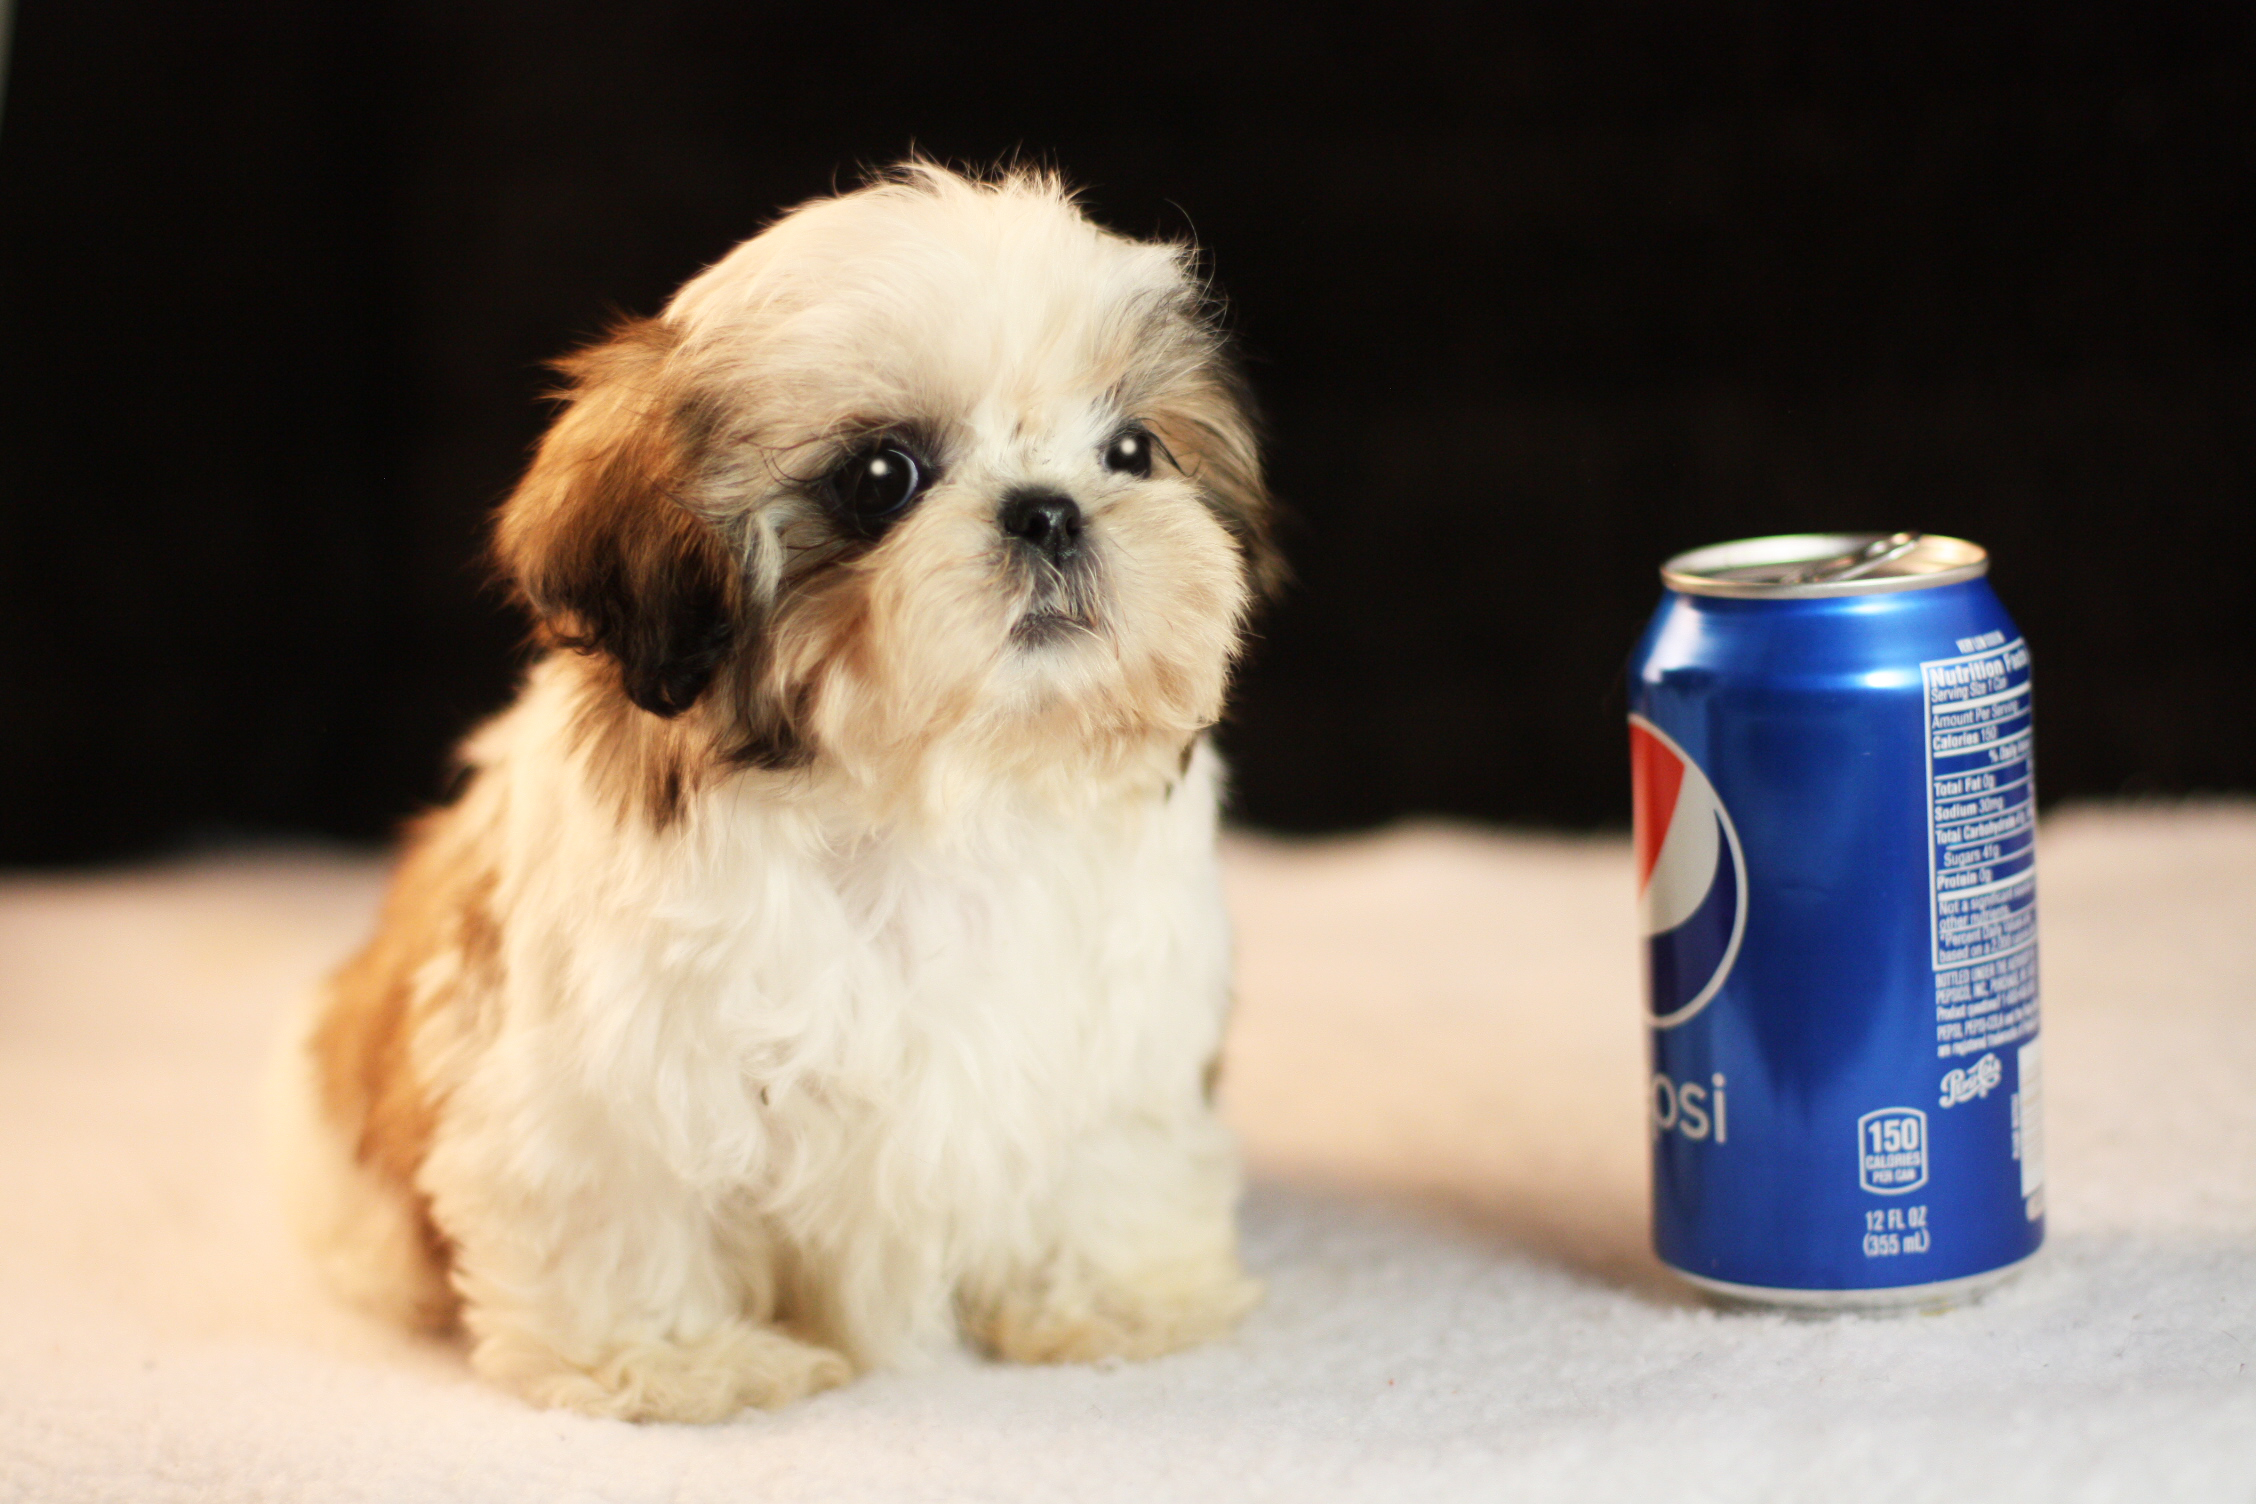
825 954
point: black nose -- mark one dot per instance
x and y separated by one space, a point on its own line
1049 520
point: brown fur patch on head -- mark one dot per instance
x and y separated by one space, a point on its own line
1171 363
601 537
1210 431
608 545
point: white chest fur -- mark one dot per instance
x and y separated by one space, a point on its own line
878 1056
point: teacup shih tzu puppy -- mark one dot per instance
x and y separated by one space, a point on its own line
824 957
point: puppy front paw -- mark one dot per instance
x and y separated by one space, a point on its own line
1077 1318
705 1379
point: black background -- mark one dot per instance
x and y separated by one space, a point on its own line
1532 300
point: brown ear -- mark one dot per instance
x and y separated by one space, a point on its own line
1215 435
599 537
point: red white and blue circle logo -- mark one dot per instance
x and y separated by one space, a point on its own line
1691 877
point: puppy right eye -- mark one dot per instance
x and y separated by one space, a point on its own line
876 485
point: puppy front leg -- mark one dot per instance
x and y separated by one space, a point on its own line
1143 1256
636 1307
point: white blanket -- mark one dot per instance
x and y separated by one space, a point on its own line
1437 1070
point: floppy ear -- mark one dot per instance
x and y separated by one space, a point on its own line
1214 433
599 538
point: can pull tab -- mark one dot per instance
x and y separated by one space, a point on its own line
1857 565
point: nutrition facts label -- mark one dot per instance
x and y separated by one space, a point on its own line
1981 838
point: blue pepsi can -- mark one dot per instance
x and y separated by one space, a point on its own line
1835 832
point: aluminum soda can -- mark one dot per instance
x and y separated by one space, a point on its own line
1835 810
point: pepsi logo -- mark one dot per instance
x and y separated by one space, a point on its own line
1691 877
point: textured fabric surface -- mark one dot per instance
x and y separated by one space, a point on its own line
1436 1067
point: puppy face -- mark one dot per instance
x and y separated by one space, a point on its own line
931 479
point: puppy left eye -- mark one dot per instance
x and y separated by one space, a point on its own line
1130 453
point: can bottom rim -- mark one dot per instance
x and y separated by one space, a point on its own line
1941 1295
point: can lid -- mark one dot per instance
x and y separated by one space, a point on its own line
1815 564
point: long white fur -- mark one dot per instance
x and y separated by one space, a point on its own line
952 1034
909 1039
